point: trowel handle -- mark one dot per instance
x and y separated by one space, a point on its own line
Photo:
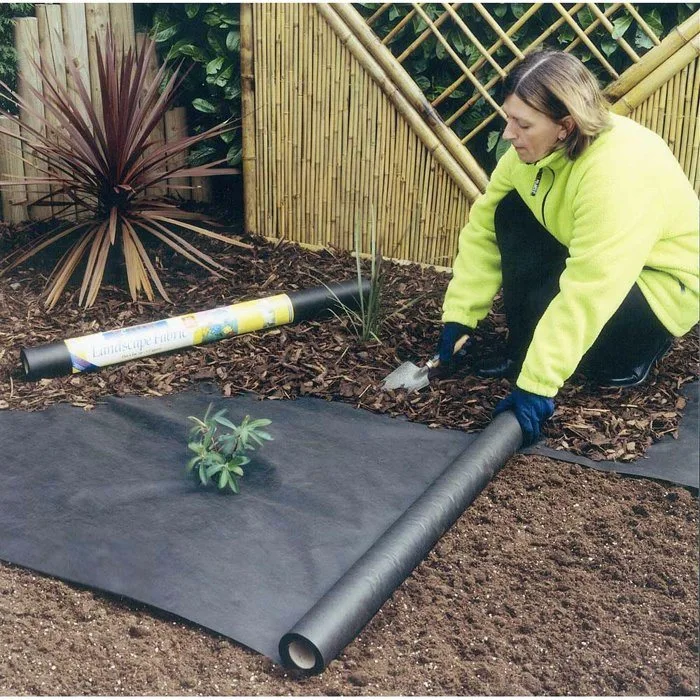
434 362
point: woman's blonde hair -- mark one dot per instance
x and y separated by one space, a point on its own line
559 85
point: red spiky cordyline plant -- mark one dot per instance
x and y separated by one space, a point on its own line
99 166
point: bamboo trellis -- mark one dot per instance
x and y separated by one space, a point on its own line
337 134
57 32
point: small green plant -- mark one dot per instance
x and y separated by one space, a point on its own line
220 455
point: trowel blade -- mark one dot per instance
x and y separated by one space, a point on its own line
408 376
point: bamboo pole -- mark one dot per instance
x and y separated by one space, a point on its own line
426 131
391 75
275 79
290 27
248 117
683 116
14 197
26 36
96 23
157 137
176 129
76 47
662 74
693 126
676 39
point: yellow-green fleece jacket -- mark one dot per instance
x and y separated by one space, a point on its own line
625 211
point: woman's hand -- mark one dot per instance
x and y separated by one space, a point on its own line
451 333
531 410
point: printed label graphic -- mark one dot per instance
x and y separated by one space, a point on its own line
102 349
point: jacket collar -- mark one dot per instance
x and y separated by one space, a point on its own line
554 160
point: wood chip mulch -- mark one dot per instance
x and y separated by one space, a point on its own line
320 358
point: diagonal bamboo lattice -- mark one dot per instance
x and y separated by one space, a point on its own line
483 62
337 133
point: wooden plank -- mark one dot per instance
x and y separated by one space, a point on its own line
14 197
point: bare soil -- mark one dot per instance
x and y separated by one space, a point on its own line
558 580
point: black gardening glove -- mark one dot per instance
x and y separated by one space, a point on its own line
531 410
452 333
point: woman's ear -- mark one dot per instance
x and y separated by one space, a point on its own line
567 125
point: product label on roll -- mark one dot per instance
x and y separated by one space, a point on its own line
102 349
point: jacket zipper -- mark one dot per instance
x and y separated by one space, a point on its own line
536 187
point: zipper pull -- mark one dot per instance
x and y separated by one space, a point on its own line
536 184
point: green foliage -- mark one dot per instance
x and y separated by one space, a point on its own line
434 71
8 55
220 455
207 37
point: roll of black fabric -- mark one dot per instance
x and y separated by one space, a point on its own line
50 360
55 359
313 303
338 617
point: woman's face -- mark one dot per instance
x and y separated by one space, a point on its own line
532 133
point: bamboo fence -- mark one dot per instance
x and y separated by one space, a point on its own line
337 133
69 31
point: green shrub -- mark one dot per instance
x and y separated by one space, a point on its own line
219 455
208 37
8 55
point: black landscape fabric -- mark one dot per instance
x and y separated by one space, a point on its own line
672 459
101 498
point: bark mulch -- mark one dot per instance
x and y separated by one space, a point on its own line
558 580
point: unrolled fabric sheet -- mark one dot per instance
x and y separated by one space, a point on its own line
101 498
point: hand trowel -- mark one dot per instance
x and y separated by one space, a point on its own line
412 377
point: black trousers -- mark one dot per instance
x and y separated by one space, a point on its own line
532 261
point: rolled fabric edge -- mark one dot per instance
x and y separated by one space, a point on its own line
334 621
50 360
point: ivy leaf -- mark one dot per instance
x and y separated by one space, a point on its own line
202 105
621 25
642 40
166 33
234 155
233 40
608 46
500 10
653 19
214 66
191 10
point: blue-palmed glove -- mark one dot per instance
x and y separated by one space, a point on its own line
451 333
531 410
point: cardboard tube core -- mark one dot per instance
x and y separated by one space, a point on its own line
302 654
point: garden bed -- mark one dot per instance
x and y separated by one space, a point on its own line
558 580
